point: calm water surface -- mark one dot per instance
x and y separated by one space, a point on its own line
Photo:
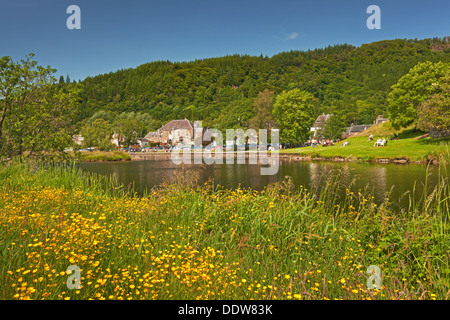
397 179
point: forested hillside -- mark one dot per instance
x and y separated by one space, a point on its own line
347 80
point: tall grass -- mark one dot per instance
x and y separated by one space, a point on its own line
189 241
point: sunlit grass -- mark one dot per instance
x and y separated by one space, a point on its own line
105 156
359 147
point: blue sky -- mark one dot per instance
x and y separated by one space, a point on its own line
124 34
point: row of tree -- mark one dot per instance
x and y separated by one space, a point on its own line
125 127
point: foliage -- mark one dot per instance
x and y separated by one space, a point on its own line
35 113
98 134
352 82
263 118
294 112
434 113
333 129
412 89
126 127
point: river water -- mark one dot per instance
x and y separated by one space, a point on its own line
378 178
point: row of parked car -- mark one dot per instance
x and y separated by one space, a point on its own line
151 149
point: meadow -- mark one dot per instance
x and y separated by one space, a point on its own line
189 241
409 146
104 156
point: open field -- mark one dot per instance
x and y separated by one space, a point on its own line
408 146
185 241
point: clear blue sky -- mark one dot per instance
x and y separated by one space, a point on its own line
123 34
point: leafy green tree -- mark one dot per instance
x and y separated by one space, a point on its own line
35 113
235 115
367 111
263 118
107 115
126 127
334 128
434 113
412 89
294 112
97 134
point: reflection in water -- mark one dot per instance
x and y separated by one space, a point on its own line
312 175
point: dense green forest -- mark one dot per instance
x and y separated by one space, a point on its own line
350 81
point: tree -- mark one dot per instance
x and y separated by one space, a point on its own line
126 126
263 118
293 110
434 113
97 134
334 128
35 113
412 89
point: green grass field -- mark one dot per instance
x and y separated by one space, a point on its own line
408 146
105 156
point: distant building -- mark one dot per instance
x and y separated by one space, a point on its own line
143 142
152 137
178 131
320 123
380 119
78 139
355 129
115 139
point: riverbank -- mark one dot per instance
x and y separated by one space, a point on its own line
434 157
188 241
411 147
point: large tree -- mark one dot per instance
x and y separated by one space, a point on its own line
35 112
418 85
263 118
294 112
98 134
434 113
126 127
333 129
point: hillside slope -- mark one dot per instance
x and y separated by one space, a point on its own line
347 80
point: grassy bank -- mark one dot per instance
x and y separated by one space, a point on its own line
408 146
185 241
105 156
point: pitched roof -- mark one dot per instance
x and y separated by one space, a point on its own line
321 120
360 127
177 124
151 134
